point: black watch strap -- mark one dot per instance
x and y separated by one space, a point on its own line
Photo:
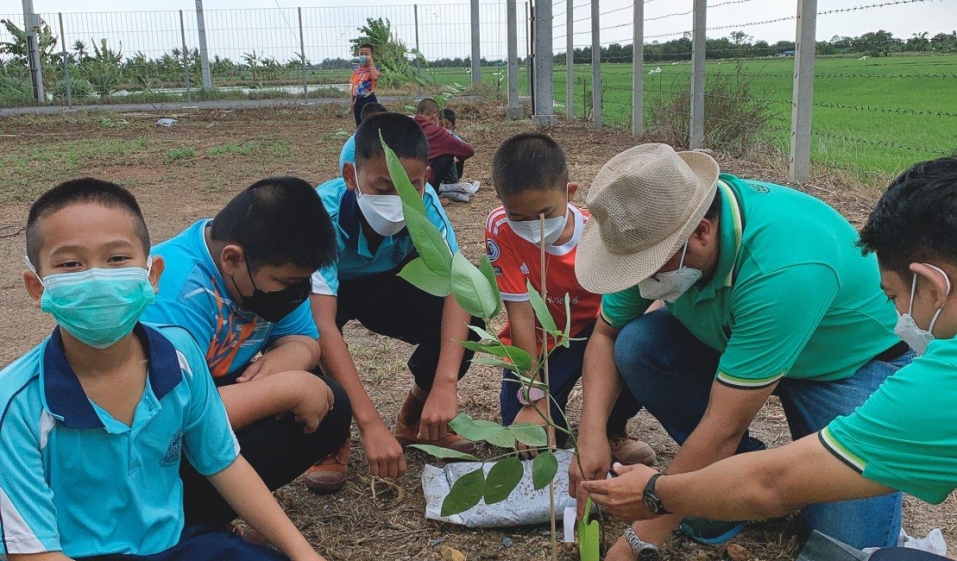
651 499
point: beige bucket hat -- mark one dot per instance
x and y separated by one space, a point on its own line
645 203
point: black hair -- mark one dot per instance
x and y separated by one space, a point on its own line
403 135
448 115
370 109
80 191
714 210
530 160
278 220
427 106
916 218
367 46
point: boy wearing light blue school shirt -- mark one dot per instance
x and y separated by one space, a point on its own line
348 153
365 285
94 420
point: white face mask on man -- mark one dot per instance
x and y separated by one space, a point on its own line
382 212
670 285
907 328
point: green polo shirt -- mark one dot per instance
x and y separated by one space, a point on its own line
905 434
791 294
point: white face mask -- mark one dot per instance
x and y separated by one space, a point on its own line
669 286
907 328
531 230
383 212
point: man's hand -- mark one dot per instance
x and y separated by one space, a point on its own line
383 451
440 407
595 456
529 414
313 404
622 496
620 551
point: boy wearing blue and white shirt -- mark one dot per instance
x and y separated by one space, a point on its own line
94 420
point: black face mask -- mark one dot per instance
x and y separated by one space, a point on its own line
274 306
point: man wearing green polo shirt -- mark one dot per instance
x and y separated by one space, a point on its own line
765 293
903 437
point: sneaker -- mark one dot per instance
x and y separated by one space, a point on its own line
329 474
630 451
710 532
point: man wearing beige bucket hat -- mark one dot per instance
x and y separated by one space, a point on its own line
765 293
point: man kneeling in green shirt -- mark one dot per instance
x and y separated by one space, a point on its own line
904 437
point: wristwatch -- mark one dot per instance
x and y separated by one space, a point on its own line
650 498
534 394
643 551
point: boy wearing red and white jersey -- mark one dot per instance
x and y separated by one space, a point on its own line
531 179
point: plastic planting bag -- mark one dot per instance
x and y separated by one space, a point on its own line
522 507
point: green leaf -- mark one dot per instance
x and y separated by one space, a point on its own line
529 434
485 335
420 276
472 290
544 468
519 357
444 453
410 196
493 361
428 240
541 310
485 267
477 430
502 479
466 492
589 536
503 439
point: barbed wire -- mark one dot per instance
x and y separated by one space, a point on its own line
897 111
879 144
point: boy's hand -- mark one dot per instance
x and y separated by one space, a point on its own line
440 407
383 451
313 404
595 456
529 414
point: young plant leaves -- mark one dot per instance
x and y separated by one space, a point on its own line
475 431
544 468
519 357
492 361
485 267
466 492
529 434
485 335
410 196
545 318
502 479
472 290
430 244
444 453
589 535
420 276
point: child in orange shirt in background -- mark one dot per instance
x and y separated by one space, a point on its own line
363 81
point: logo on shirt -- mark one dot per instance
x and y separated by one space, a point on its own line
492 249
497 271
524 269
758 188
174 451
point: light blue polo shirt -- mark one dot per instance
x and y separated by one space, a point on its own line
355 258
192 294
348 153
74 479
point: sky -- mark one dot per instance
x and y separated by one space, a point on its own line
236 27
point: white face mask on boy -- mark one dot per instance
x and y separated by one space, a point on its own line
907 328
531 230
382 212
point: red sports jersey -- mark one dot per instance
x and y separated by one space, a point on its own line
516 260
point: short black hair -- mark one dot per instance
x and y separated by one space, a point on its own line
448 115
81 191
369 46
403 135
427 106
370 109
714 210
916 218
278 220
527 161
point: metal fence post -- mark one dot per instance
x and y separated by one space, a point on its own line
66 65
203 49
31 26
800 161
514 109
570 60
698 42
638 71
596 64
476 45
182 30
418 54
302 54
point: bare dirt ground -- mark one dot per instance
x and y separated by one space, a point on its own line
187 172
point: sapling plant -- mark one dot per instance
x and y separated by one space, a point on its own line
440 272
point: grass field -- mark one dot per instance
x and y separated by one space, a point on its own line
878 114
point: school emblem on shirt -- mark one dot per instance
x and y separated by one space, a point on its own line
174 451
492 249
524 269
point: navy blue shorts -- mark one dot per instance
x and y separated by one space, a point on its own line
199 543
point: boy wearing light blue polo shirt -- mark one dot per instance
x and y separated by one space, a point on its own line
94 420
365 285
348 153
